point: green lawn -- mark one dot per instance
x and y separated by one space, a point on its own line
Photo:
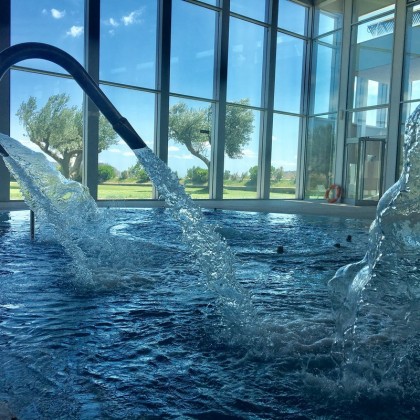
115 191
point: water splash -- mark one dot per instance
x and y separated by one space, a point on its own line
377 300
213 255
65 210
84 231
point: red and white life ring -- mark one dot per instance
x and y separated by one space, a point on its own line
337 195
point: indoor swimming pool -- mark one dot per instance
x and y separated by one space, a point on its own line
147 338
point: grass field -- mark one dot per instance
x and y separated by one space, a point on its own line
115 191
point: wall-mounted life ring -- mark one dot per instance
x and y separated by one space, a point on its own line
337 195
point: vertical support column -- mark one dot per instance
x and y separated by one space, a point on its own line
343 88
5 24
304 110
163 70
266 132
90 111
391 164
220 85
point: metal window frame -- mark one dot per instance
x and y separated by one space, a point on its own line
5 40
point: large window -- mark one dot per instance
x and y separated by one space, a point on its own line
289 73
52 106
192 49
320 152
57 23
190 138
321 133
241 152
284 156
325 79
128 42
120 174
246 41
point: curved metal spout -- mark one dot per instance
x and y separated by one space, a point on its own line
27 50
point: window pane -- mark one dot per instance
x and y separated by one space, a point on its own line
367 9
284 156
62 27
245 61
326 66
131 181
241 152
292 17
289 73
411 84
128 42
189 148
406 111
329 16
370 123
192 49
320 153
45 89
371 63
254 9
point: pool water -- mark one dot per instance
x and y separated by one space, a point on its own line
148 339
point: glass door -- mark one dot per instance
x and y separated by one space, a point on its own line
364 170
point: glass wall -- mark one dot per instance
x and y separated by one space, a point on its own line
47 103
321 140
289 98
285 146
244 100
127 70
370 77
241 103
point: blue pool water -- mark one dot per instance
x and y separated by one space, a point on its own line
148 338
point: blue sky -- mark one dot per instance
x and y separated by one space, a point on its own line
128 55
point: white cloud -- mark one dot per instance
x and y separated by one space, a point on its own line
132 17
173 149
113 22
75 31
57 14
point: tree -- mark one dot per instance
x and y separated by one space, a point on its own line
138 173
106 172
192 128
197 175
58 131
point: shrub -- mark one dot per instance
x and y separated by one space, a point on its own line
198 176
106 172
